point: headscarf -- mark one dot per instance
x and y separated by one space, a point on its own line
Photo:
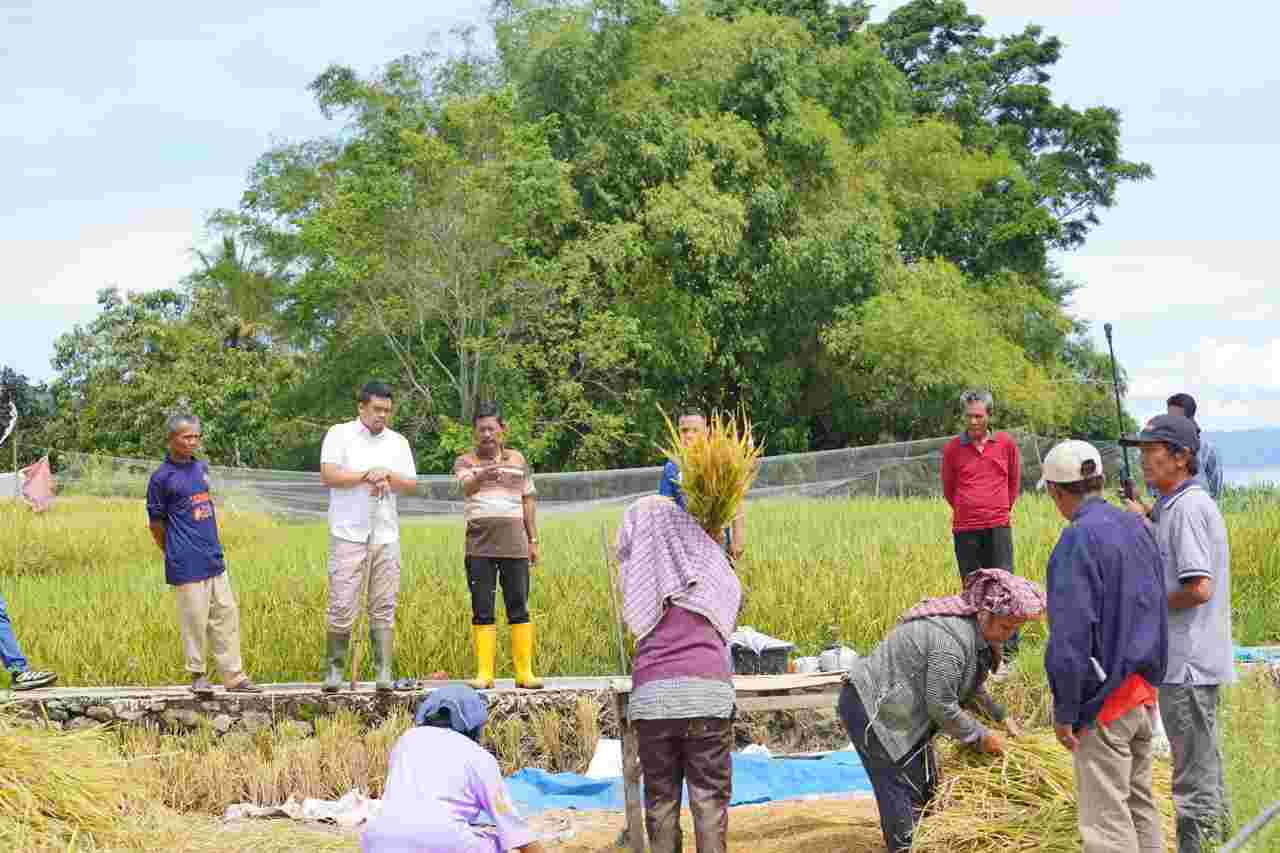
466 709
665 558
993 590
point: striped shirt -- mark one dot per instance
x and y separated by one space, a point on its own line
681 699
494 513
918 679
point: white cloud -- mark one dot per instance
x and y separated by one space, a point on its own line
1221 367
1225 277
144 251
1236 384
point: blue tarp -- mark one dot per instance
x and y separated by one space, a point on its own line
756 779
1257 654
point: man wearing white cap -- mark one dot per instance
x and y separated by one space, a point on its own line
1108 647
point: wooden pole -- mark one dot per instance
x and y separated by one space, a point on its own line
631 775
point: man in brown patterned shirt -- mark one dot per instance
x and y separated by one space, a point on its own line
501 544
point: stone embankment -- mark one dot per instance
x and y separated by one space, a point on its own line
294 708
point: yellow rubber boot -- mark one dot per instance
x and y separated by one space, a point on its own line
522 656
485 640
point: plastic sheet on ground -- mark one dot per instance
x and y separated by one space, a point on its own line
756 779
353 809
1257 654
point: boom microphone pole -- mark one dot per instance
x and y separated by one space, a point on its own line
1126 484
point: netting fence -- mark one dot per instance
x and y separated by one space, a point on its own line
902 469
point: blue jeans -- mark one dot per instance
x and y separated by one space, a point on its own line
9 651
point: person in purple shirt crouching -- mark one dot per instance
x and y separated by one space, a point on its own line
185 528
444 793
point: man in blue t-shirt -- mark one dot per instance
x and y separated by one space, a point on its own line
691 425
185 528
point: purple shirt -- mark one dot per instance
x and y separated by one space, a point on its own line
683 645
439 784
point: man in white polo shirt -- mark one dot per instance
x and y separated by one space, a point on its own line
365 464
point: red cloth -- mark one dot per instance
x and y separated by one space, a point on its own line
981 487
1134 692
37 484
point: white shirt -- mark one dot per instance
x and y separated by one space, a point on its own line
354 511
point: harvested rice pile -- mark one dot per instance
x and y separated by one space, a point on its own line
717 468
1024 800
72 791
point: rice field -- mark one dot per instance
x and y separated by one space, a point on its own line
85 589
85 584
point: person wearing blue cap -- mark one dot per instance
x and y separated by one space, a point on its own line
444 793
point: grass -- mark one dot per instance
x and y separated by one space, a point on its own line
85 588
815 571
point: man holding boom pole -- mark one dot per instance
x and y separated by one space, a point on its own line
1192 537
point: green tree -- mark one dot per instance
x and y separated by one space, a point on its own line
996 91
146 356
914 347
35 408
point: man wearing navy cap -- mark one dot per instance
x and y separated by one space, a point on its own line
1192 537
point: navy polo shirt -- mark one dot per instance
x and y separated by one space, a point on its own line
178 495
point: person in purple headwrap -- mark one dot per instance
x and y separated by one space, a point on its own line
680 600
919 680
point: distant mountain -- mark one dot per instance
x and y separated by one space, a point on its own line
1250 448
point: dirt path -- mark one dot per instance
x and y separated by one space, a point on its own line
834 825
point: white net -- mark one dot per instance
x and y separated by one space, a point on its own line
902 469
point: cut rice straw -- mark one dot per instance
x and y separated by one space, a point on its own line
71 791
1024 800
717 468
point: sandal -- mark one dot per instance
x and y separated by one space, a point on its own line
33 679
200 685
245 685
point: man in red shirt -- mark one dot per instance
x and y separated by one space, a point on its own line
981 478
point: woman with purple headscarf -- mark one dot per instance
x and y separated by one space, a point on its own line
680 600
918 681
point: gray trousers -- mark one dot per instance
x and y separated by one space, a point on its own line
1190 716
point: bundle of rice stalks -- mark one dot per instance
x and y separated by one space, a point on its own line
717 467
72 791
1023 800
57 785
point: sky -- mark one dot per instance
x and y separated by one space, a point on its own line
122 126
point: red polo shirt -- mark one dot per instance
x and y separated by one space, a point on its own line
981 486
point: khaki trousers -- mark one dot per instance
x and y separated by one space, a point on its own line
348 561
1118 811
208 608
